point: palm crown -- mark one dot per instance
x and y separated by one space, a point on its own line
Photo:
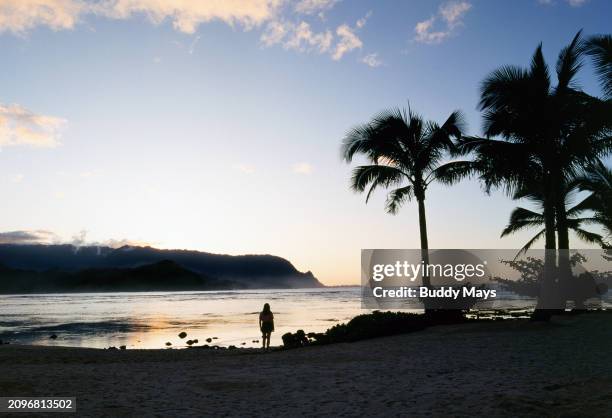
404 152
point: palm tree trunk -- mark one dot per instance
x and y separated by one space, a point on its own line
546 298
565 267
424 243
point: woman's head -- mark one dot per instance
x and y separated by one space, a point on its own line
266 308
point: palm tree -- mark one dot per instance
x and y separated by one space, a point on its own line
600 49
597 179
522 218
546 132
405 154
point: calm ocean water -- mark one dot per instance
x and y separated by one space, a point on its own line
149 320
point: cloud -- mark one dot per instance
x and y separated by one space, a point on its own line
348 41
20 16
300 37
118 243
573 3
77 240
372 60
28 237
274 33
361 22
451 14
193 45
80 240
425 34
302 168
310 7
22 127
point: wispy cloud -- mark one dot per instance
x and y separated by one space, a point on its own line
77 240
22 127
573 3
80 240
118 243
302 168
372 60
348 41
298 37
193 44
310 7
451 14
28 237
301 37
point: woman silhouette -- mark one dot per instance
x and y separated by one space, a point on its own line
266 325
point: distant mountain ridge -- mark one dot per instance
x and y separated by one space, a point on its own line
162 276
217 270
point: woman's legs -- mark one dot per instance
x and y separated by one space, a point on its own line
266 340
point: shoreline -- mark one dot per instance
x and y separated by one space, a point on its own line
498 368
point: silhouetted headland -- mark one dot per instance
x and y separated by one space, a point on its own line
66 268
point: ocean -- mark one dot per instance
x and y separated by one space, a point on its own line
151 319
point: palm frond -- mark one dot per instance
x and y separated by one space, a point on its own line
588 203
522 218
397 197
453 172
589 237
530 243
500 84
539 74
569 63
375 176
599 48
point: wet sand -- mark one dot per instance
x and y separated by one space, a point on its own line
505 368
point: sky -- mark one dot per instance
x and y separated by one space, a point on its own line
216 125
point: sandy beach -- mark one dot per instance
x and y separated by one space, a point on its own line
509 368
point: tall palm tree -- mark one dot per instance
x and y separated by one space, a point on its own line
404 153
600 49
522 218
537 130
